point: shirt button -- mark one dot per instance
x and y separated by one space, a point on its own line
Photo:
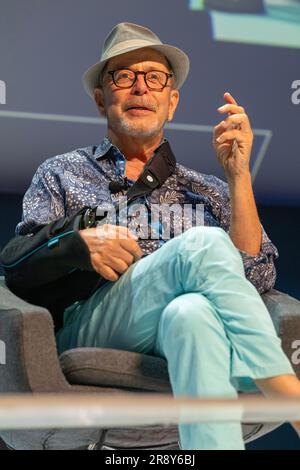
149 178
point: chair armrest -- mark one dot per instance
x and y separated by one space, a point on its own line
31 362
285 314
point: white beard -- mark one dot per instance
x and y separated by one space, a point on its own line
124 126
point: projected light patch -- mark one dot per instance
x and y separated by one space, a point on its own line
264 22
197 5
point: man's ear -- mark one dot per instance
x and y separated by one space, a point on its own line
174 99
98 96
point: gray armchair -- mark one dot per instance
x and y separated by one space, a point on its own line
33 366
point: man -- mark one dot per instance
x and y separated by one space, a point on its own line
186 299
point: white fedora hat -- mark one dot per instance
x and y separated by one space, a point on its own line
126 37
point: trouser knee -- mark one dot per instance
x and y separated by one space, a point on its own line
201 235
212 240
188 315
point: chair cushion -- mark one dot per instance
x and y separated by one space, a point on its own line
115 368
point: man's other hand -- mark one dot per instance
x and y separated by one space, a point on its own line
112 249
233 139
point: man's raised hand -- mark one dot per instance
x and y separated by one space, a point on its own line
233 139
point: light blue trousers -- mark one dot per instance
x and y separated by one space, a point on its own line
190 303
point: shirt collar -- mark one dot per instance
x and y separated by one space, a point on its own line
106 145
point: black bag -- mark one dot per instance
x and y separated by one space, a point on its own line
51 266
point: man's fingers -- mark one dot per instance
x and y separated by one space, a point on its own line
112 271
133 248
235 121
103 269
125 255
108 273
238 118
118 265
231 108
220 128
229 98
231 135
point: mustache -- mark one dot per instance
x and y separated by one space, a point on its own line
140 104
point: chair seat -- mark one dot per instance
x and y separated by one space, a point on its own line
119 369
115 368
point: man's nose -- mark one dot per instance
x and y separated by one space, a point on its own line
140 87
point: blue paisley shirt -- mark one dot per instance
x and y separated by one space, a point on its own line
64 184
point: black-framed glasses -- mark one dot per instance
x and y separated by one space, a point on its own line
126 78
